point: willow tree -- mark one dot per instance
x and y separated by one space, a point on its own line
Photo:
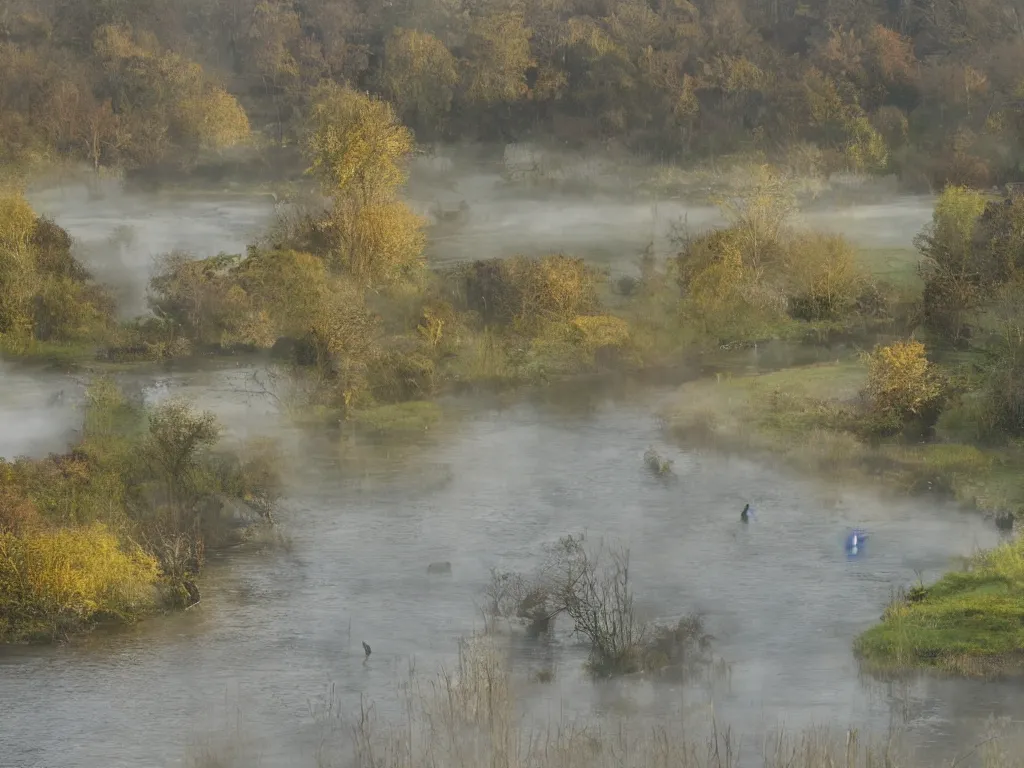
358 149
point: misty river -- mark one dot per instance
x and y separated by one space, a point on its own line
496 480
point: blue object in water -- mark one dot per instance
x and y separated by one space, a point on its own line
855 542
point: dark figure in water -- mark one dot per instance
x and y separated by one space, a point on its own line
367 649
745 514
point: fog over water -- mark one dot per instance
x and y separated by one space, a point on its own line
498 479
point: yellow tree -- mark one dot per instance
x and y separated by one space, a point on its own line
355 144
902 383
158 100
419 77
498 49
359 150
209 117
759 215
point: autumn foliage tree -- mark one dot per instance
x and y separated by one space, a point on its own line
419 78
358 149
902 384
45 294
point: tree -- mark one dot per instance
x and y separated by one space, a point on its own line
901 384
359 149
178 434
953 287
356 145
498 56
759 215
823 276
419 78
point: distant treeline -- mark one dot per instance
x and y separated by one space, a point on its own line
930 89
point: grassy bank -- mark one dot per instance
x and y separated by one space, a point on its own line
969 622
117 527
812 419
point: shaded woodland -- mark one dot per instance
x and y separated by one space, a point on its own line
928 89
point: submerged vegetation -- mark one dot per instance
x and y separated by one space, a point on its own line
592 588
473 715
118 525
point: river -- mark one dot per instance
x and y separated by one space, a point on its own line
497 480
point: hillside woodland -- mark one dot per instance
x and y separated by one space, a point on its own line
929 89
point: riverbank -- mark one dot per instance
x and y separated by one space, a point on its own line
116 527
496 478
811 418
970 622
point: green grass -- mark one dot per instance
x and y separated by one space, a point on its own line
808 417
970 621
896 266
414 416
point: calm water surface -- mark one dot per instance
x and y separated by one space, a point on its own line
487 489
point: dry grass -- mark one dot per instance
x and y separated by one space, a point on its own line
473 717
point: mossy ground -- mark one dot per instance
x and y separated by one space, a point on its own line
897 267
969 622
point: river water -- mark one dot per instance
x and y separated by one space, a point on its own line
492 484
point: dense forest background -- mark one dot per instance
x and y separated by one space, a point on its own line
932 90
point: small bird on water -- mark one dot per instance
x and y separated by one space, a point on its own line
367 649
745 514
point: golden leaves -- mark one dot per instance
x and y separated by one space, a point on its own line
52 575
419 75
499 55
356 144
901 381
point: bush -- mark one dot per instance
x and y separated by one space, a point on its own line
526 293
45 294
597 595
53 581
902 384
824 281
69 523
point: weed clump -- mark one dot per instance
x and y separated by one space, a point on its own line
657 464
593 588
